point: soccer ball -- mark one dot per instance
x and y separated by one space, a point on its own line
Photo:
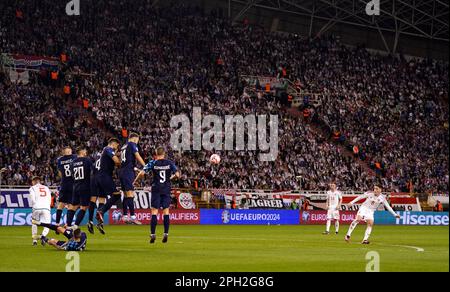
214 159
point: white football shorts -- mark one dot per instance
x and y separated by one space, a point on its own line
365 213
333 215
42 215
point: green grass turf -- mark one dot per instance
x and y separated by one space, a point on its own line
235 248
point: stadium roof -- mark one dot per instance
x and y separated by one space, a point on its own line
420 18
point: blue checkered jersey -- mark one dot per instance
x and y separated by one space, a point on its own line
80 245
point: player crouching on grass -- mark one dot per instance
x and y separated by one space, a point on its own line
77 239
163 171
366 211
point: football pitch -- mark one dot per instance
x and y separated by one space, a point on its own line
235 248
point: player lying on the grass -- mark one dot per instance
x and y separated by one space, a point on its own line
163 171
40 198
334 203
77 239
366 211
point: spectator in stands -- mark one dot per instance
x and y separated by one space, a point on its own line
439 207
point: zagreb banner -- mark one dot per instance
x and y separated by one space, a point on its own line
249 217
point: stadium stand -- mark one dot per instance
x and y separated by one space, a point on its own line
133 72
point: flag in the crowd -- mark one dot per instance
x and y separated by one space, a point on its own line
27 62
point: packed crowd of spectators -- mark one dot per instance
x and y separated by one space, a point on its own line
34 126
147 65
395 111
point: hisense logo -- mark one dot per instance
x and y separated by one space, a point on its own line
422 219
10 217
20 217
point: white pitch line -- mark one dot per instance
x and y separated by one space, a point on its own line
418 249
234 238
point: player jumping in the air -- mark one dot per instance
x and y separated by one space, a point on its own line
95 195
81 172
66 187
163 171
334 202
105 181
77 239
129 155
366 211
40 198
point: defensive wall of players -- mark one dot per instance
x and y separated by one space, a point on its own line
15 210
